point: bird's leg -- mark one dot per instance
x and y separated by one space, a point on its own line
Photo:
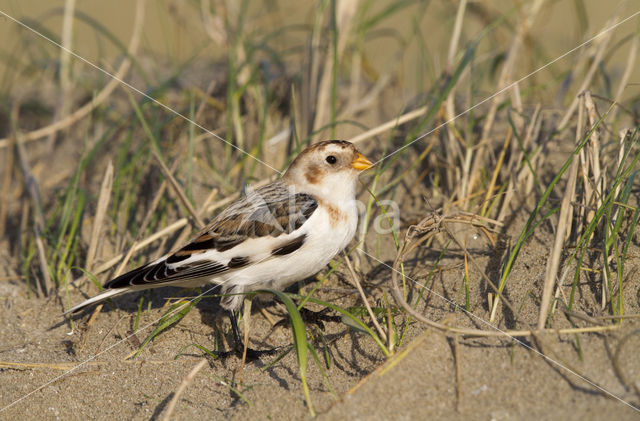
238 344
252 354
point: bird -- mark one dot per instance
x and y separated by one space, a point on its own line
270 238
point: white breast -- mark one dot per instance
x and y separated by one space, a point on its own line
327 233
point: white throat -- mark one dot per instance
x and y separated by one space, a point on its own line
334 188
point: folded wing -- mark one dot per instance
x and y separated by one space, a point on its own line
234 239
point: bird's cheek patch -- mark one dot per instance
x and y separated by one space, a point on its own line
313 174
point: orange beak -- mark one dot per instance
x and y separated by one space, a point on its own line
361 163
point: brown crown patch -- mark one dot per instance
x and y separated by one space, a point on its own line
342 143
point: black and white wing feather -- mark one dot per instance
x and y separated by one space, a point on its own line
232 239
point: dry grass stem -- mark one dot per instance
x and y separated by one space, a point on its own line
496 172
34 192
178 190
596 178
564 226
506 76
345 10
363 296
65 95
623 86
6 184
117 273
101 211
452 146
581 129
524 176
178 393
48 366
601 49
391 124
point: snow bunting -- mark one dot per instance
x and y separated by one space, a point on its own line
270 238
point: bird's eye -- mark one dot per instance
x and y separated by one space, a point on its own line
331 159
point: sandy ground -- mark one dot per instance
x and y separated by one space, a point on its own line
483 379
47 372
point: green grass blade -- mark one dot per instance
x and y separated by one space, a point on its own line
299 339
357 322
212 354
175 313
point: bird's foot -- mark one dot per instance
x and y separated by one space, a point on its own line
254 354
314 317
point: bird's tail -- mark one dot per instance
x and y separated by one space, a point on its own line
100 297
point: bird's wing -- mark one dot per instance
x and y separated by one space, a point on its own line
266 222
